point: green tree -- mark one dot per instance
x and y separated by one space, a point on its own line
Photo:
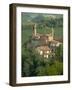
59 53
55 69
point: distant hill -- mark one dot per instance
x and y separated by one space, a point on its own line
54 19
44 23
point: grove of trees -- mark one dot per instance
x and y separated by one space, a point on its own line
35 65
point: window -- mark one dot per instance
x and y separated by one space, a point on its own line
46 56
41 52
47 51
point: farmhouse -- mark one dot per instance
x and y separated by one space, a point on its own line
45 44
44 51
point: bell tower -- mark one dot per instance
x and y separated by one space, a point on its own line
34 30
52 32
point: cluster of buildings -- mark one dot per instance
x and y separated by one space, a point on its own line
44 44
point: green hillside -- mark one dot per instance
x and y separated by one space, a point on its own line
44 23
34 64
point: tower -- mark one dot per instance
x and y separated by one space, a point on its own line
34 30
52 32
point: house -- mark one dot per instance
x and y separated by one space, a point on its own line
55 43
45 44
43 51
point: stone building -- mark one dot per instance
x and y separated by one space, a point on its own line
46 44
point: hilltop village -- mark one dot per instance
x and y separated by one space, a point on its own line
44 44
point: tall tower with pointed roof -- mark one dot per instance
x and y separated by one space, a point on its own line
52 32
34 30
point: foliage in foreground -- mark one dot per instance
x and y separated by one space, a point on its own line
35 65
